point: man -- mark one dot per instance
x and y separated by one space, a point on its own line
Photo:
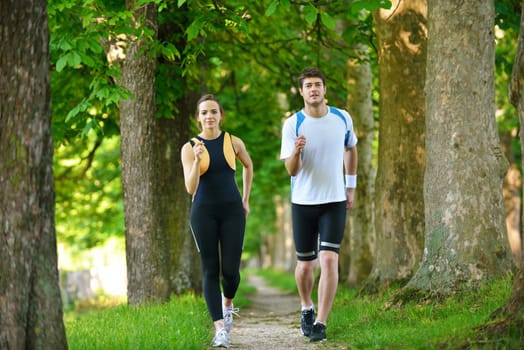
318 142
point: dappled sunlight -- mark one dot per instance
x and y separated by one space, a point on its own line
100 271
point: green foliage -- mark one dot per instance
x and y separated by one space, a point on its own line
506 34
89 206
247 53
507 14
83 90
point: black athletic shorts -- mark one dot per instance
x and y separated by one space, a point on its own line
318 222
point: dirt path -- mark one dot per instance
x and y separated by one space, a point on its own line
272 322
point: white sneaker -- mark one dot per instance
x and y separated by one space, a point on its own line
228 316
221 339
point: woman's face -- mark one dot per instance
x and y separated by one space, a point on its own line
209 114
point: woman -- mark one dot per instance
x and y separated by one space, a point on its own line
218 212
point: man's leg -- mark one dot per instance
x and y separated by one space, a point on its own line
305 281
328 283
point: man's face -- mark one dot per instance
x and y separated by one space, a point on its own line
313 91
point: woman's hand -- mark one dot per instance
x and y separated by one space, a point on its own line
198 150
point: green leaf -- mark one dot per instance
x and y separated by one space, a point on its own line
358 5
181 2
61 63
88 60
65 45
327 20
75 59
285 4
194 29
310 13
87 128
271 8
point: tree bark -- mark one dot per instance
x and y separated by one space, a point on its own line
466 240
399 201
30 303
161 258
511 192
278 250
356 258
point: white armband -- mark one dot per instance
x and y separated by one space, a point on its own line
351 181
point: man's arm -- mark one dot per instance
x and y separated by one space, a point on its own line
294 161
350 168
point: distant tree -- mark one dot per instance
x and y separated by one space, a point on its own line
513 311
507 21
399 201
466 241
357 259
30 304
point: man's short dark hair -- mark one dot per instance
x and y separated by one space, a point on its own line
311 72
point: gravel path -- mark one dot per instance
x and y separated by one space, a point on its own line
272 322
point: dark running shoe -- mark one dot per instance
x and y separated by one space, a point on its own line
306 321
318 332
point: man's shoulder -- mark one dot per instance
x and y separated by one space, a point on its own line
337 110
291 119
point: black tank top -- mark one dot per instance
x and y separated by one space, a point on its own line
217 185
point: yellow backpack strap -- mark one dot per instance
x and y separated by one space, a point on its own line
204 162
229 151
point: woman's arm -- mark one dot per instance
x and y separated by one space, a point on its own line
247 172
191 165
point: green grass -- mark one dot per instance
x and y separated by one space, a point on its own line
368 322
182 323
109 324
358 322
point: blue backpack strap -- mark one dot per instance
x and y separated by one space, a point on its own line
339 114
300 119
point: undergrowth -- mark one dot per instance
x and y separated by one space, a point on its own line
361 321
357 321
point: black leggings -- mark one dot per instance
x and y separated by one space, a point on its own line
218 231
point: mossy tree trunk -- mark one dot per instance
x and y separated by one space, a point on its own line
30 304
466 240
399 201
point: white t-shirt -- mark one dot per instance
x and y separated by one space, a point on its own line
321 178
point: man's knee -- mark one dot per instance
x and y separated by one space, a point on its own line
305 267
328 259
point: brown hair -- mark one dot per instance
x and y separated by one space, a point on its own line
311 72
209 97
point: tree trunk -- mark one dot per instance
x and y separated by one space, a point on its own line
278 249
178 95
146 165
511 192
356 257
184 266
30 304
466 240
399 201
161 256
